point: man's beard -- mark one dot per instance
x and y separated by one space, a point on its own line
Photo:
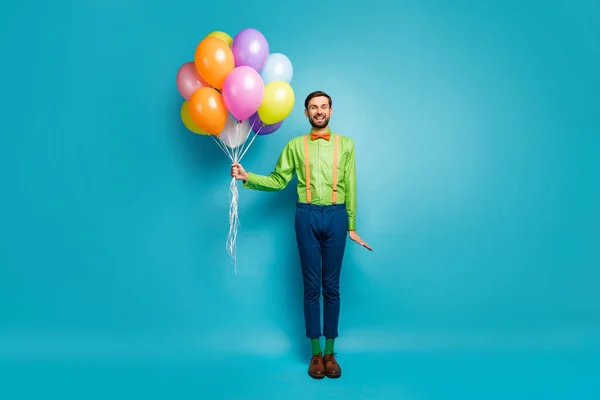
319 124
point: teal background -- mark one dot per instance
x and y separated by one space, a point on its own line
476 125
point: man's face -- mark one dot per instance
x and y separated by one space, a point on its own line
318 112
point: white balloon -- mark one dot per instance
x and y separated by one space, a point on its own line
277 68
235 133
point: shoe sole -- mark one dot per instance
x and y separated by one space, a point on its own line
316 376
334 376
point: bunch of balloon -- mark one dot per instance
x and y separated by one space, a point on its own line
234 91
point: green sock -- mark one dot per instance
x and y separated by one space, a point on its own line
316 346
329 346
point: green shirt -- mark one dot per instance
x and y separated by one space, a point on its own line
321 152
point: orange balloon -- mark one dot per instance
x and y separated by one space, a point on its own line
214 61
207 109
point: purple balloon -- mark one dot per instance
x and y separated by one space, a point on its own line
260 128
250 48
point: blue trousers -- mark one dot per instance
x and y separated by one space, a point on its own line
321 233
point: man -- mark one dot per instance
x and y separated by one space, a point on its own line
325 213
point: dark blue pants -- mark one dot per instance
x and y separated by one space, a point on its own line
321 233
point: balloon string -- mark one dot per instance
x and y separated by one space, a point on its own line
238 129
233 196
251 141
235 155
221 145
234 222
234 138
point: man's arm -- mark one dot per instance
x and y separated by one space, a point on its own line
350 187
350 184
276 180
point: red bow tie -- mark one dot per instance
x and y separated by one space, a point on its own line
315 136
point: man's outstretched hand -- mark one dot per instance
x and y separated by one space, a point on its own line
354 236
238 172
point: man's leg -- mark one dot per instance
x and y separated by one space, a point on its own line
307 224
334 245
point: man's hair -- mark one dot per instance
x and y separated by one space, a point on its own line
317 93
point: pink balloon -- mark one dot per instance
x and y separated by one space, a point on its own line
243 92
188 80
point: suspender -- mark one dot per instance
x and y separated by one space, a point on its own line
335 169
307 169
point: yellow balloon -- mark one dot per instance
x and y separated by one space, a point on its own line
278 102
223 36
187 120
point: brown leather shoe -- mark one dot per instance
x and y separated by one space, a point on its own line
316 369
332 368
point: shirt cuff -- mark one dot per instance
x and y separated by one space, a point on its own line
352 224
249 183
